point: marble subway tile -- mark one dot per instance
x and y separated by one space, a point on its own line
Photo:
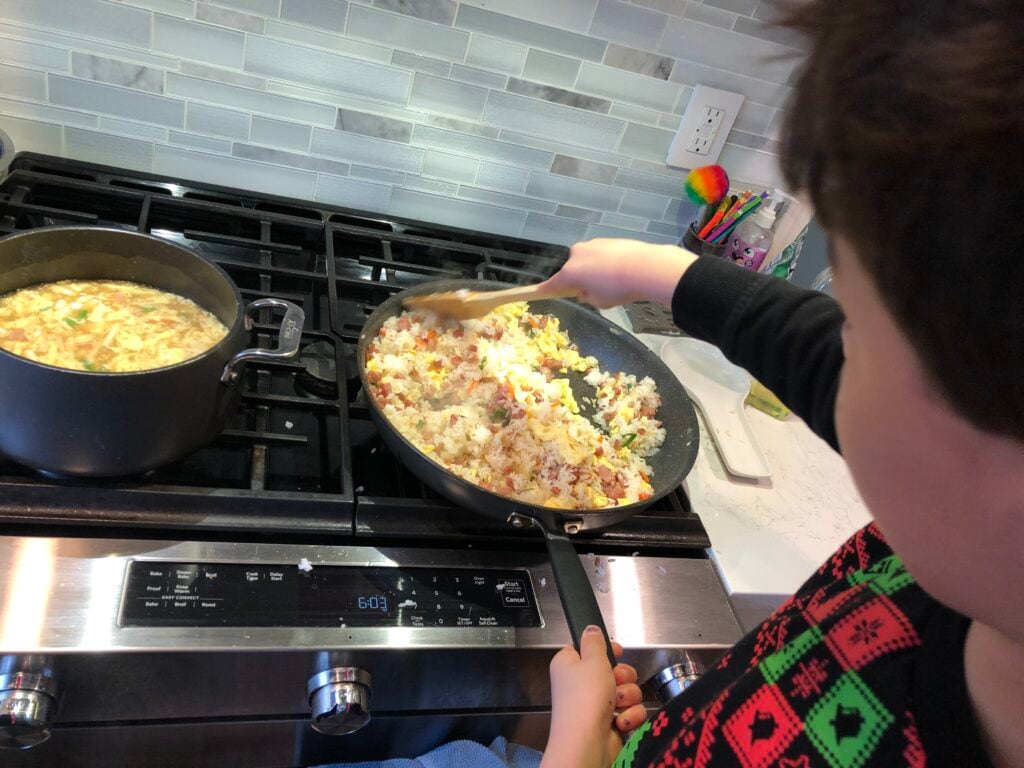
290 159
479 77
407 32
762 143
604 230
499 55
643 181
481 147
445 165
183 9
673 7
645 142
123 73
772 32
462 126
250 100
280 133
326 70
99 147
79 43
421 63
376 174
626 222
454 212
119 102
628 87
705 14
204 143
24 82
778 121
243 22
644 205
753 117
351 193
636 114
233 172
33 135
503 177
761 91
221 75
552 121
503 198
583 214
217 121
583 169
89 18
737 6
641 62
554 229
558 95
748 165
435 94
373 125
320 14
659 168
262 7
628 24
574 15
574 191
550 68
46 113
367 150
431 185
670 121
133 129
34 54
728 50
563 148
335 43
530 33
194 40
438 11
668 230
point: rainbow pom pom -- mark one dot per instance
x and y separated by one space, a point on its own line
707 185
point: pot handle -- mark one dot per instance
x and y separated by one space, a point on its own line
287 339
578 599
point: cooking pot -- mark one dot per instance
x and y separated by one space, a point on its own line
73 422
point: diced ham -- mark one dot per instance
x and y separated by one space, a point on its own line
403 323
647 412
16 334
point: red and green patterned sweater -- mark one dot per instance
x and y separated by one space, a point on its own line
860 667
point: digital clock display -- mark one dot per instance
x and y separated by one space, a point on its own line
372 603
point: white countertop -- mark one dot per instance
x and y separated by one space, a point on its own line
768 536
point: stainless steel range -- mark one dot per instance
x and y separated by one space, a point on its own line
291 594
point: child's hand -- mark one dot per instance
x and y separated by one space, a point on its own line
585 695
609 272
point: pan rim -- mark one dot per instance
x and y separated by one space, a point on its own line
531 510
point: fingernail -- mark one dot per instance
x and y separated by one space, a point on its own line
591 629
619 695
625 722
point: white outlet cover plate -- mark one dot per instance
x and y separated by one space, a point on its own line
696 131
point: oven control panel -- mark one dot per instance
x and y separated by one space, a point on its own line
162 594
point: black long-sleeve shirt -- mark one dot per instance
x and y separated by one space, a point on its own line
860 667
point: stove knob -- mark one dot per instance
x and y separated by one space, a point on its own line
340 700
675 679
28 702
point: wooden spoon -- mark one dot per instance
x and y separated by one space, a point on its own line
468 305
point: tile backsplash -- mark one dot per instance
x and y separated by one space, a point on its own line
544 119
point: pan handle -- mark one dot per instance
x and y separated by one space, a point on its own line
287 338
574 589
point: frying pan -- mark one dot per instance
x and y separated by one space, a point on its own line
615 350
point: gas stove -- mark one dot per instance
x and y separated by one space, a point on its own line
194 604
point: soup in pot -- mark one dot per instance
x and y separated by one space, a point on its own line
105 326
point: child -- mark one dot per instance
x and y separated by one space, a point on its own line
907 646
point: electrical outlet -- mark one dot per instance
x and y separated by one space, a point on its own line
708 119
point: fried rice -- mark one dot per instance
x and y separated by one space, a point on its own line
489 400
